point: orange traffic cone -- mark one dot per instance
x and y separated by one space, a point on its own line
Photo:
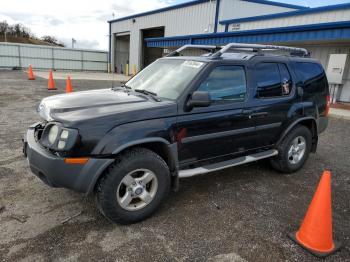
69 88
51 83
316 233
30 73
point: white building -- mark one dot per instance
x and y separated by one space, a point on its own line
139 39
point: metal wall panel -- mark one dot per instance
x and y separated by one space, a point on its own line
67 64
67 54
36 52
95 66
37 62
230 9
9 50
47 57
95 56
314 18
334 31
195 19
9 62
188 20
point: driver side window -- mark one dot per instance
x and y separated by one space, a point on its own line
225 83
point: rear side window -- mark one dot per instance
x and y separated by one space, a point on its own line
273 80
312 76
225 83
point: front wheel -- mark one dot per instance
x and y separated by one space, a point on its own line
133 187
293 151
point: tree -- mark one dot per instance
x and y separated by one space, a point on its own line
52 40
3 27
18 30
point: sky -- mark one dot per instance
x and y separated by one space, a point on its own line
86 20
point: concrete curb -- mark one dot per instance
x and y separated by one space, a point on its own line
339 113
339 117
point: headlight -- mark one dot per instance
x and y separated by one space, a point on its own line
53 133
59 138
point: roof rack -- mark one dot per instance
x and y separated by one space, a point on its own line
177 52
259 48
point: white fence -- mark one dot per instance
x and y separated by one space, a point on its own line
47 57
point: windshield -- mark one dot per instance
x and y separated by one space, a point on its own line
166 77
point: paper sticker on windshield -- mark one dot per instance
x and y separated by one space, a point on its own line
193 64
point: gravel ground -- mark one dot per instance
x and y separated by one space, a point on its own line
239 214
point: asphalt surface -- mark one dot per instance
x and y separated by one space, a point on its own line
239 214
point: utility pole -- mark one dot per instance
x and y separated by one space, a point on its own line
5 35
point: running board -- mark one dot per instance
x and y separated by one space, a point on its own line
225 164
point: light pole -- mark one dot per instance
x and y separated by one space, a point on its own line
73 42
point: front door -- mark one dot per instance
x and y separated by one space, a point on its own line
222 128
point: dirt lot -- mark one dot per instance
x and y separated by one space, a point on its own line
240 214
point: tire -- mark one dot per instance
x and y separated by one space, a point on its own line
112 189
285 163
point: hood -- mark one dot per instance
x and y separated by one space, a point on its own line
82 106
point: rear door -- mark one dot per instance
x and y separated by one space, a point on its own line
273 94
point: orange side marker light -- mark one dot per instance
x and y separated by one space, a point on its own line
76 161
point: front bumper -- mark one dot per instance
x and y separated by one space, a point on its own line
52 169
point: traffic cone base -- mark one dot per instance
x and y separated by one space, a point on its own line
317 253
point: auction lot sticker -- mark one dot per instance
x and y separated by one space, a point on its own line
194 64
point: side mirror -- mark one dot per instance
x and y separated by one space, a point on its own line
199 99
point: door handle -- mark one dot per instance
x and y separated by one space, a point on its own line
251 114
248 112
260 114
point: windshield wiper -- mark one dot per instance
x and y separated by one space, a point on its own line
149 93
124 86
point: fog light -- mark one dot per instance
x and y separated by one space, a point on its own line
61 144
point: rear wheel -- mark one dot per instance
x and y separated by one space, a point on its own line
293 151
133 187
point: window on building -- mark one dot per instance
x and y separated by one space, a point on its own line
225 83
273 80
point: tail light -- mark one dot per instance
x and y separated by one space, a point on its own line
328 105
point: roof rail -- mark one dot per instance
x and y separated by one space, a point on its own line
211 48
257 48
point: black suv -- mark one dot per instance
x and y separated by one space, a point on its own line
179 117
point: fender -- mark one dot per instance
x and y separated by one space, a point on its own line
293 124
140 141
171 151
152 130
172 154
